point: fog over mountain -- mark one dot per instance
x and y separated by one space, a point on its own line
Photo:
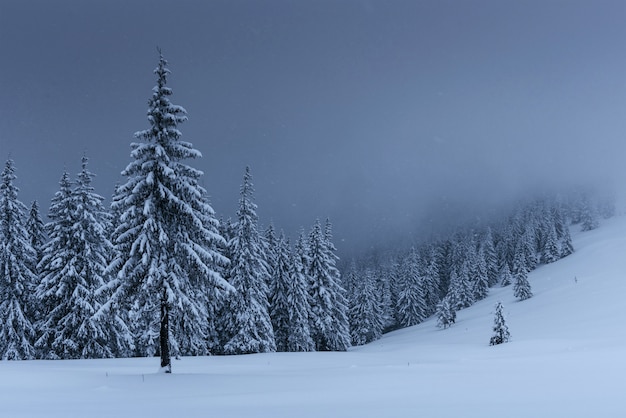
380 115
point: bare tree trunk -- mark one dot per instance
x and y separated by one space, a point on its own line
166 361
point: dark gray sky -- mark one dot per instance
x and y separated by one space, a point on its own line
370 112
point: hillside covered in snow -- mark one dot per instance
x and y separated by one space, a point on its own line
565 358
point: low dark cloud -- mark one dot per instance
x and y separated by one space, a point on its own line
377 114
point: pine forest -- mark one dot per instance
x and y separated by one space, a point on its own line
158 273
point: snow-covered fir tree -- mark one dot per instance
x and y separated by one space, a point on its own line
218 312
115 211
278 284
521 286
505 276
53 259
166 244
250 325
385 298
72 271
551 251
17 280
461 290
479 276
411 298
490 256
290 302
446 315
528 247
501 332
36 231
329 322
431 279
366 316
562 232
520 260
270 249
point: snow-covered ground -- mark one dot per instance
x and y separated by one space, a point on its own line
567 358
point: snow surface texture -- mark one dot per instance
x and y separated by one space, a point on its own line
566 358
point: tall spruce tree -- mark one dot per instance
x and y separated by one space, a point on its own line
36 231
446 315
329 322
491 257
385 297
251 326
290 305
505 276
562 232
521 286
270 249
411 298
55 256
431 280
479 275
461 291
72 272
366 316
166 243
551 251
17 258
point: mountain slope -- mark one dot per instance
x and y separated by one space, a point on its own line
566 358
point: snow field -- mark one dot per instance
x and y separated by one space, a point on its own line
566 359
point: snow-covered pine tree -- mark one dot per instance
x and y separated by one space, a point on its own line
411 299
166 244
461 292
300 335
55 256
394 276
505 248
37 237
72 271
385 298
251 326
431 280
290 303
329 322
521 286
551 251
281 280
519 260
528 248
301 253
350 281
17 279
446 315
501 332
562 232
505 276
270 249
219 313
479 275
36 231
115 211
104 335
366 319
491 257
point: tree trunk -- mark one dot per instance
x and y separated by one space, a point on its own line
166 361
